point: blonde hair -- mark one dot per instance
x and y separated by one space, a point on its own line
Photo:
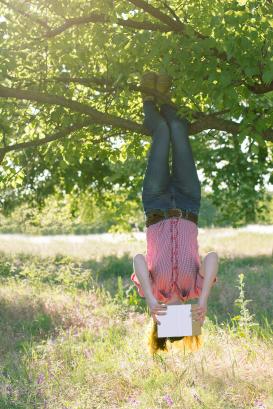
190 343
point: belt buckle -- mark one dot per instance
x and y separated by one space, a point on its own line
173 213
187 214
155 212
180 215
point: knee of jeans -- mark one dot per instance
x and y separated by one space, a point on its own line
180 125
162 126
159 125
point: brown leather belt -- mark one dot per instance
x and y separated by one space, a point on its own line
154 216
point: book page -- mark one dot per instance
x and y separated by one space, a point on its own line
177 322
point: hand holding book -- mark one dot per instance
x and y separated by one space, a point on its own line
178 321
200 311
156 308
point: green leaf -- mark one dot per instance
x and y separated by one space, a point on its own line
268 76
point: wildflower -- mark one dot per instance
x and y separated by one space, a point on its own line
87 353
9 389
168 399
259 404
196 397
133 401
41 378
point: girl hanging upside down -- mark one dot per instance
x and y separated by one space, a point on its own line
171 272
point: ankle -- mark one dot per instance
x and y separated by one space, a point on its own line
148 85
163 86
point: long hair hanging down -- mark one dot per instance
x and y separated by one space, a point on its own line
190 343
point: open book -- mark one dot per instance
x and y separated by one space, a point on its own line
178 322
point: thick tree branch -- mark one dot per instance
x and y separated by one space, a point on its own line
38 142
110 85
63 133
99 117
204 123
173 13
102 18
169 23
92 18
212 122
260 88
175 25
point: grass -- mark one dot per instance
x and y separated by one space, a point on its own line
74 331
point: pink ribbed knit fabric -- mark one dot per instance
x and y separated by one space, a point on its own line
173 260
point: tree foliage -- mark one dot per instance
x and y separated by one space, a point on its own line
70 101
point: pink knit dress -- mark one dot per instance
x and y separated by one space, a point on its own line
173 260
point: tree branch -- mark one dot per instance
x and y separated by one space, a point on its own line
111 85
92 18
38 142
203 123
175 25
102 18
168 23
63 133
99 117
260 88
180 27
173 13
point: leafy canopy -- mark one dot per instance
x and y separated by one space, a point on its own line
70 101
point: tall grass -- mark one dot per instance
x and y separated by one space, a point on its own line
74 335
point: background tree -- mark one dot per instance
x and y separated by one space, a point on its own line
70 106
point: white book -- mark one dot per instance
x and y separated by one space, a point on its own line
178 322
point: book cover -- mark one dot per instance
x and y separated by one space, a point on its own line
178 322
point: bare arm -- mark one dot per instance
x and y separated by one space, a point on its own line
143 276
209 269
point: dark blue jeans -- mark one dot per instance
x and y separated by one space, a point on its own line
182 188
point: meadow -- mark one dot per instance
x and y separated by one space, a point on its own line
74 330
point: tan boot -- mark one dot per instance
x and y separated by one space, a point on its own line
163 85
148 80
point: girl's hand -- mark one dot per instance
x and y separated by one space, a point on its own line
157 309
199 311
